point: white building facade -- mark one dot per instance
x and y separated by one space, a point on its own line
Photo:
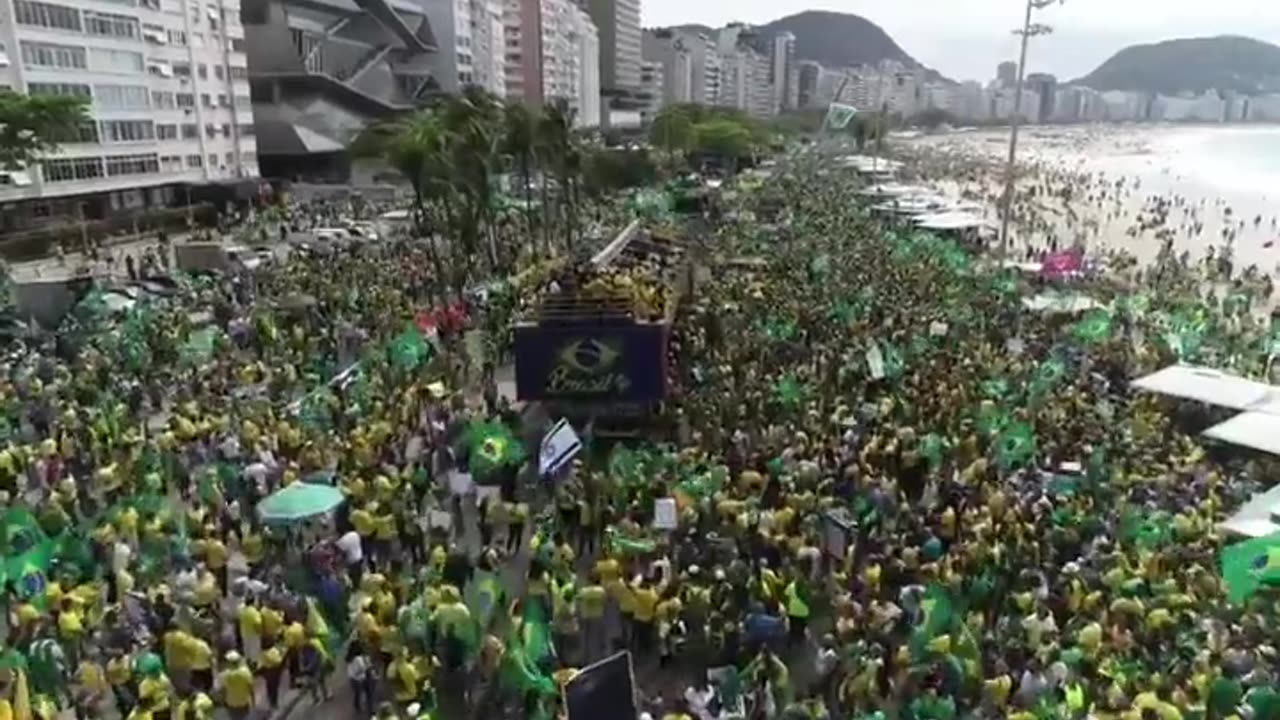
168 92
471 44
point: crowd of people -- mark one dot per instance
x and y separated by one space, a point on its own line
898 493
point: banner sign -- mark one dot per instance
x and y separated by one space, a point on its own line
1062 264
604 690
598 362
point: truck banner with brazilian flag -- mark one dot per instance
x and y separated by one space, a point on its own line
28 554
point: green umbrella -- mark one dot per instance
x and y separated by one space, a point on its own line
299 501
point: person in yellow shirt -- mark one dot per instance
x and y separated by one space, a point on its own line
200 655
197 707
249 630
155 693
237 686
645 606
272 624
295 637
592 603
119 674
271 667
215 558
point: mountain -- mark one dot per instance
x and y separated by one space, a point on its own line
835 40
1227 62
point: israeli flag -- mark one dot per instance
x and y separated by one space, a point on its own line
559 446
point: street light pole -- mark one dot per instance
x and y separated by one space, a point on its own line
1028 31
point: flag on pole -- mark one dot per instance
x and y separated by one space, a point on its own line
559 446
839 115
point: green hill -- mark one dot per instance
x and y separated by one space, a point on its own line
1226 62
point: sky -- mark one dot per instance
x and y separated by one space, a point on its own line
966 39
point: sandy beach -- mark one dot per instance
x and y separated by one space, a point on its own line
1128 187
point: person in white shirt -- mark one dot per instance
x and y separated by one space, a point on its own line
353 554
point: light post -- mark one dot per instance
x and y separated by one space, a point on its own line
1028 31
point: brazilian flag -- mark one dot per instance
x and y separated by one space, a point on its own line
1248 565
492 447
28 553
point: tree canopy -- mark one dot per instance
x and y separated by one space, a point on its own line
32 125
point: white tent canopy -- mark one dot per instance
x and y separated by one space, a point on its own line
1257 427
1256 517
1207 385
1256 430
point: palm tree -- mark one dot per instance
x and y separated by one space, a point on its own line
472 123
556 144
417 146
519 135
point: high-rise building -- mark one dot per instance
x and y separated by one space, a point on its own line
745 72
704 67
522 45
168 89
667 48
807 84
589 80
782 62
1007 73
618 25
471 39
651 90
1046 86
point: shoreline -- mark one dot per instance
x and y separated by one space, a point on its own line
1114 189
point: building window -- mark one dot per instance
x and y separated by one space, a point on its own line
202 71
69 89
132 164
205 100
121 97
128 130
66 169
190 131
213 161
226 130
238 73
110 25
150 4
237 44
167 131
159 68
38 54
194 161
243 101
223 100
230 158
46 15
249 156
218 72
163 100
155 33
182 69
186 100
178 37
245 130
85 132
210 130
171 163
121 61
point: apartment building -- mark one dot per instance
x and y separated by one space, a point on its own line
745 72
470 38
667 48
618 26
167 83
783 72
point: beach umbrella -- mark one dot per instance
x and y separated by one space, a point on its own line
299 501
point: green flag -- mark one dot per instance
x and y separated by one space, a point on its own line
409 349
1094 328
937 616
788 391
1248 565
839 115
1016 445
492 447
199 346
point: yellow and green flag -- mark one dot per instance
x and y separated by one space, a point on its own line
1248 565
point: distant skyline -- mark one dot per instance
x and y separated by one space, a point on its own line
966 40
